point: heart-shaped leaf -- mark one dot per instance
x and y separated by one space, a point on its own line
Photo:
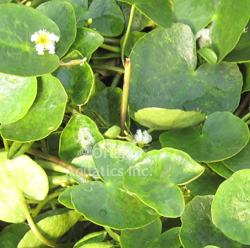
231 209
160 11
78 80
16 97
86 42
19 176
11 235
23 21
108 203
169 168
163 75
198 229
44 116
222 14
223 135
206 184
165 119
102 103
52 227
78 138
107 17
239 161
66 22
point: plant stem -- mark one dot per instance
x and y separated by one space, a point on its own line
125 91
116 80
108 67
113 41
246 117
127 32
6 144
114 49
248 122
44 202
243 104
44 145
58 161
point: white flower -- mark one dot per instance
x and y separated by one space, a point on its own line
142 138
44 41
203 36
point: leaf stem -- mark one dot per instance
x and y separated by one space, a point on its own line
6 145
248 122
116 80
243 104
44 202
114 49
108 67
125 91
246 117
127 32
113 41
58 161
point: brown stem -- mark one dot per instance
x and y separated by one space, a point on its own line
58 161
243 104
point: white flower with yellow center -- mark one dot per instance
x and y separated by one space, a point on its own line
142 138
44 41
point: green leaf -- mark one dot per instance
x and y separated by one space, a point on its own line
246 86
78 80
65 197
223 135
51 227
98 245
16 97
159 11
66 22
107 17
222 13
91 238
221 169
103 104
239 161
142 237
206 184
44 116
163 75
5 1
11 235
80 135
155 177
230 208
208 54
17 24
165 119
241 52
86 42
19 176
107 203
198 229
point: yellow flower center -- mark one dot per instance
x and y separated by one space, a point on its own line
43 39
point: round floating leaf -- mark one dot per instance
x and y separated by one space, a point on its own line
52 227
17 177
208 54
164 119
198 229
16 97
102 103
155 177
230 208
66 22
44 116
223 135
221 169
17 24
11 235
206 184
107 17
78 80
78 137
222 14
142 237
239 161
107 203
86 42
163 75
160 11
